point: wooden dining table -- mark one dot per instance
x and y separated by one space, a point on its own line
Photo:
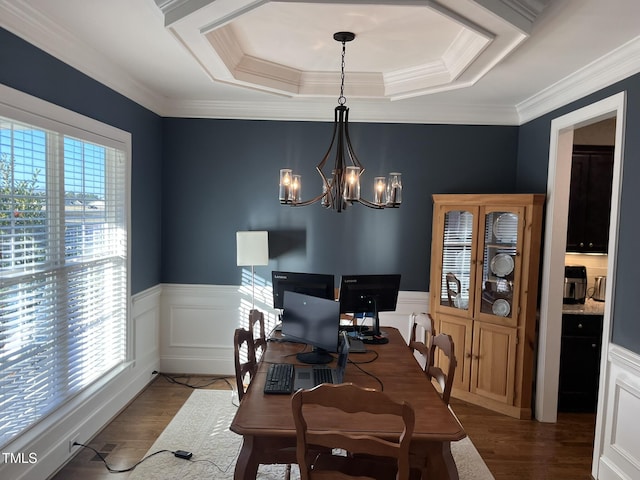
265 421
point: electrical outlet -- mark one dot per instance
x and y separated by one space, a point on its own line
74 439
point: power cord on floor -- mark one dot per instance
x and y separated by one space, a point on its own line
220 469
177 453
176 379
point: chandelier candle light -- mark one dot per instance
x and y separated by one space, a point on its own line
342 187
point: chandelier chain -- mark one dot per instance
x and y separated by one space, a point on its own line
342 99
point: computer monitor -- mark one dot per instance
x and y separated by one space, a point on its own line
314 284
369 294
314 321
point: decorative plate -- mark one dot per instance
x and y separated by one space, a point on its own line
505 228
501 307
502 264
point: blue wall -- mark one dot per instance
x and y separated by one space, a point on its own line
32 71
533 157
221 176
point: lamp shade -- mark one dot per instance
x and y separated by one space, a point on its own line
252 248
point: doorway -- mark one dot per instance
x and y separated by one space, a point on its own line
560 154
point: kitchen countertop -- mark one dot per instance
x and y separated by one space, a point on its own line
589 307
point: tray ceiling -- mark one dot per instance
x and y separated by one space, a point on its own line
402 49
421 61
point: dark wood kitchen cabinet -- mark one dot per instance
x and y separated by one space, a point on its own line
579 363
590 199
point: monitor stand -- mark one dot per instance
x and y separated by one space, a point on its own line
318 356
375 336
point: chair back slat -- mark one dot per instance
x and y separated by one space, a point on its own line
256 317
351 400
442 364
422 333
244 366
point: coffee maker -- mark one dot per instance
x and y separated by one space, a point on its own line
575 284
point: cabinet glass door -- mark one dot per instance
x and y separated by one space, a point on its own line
457 254
498 276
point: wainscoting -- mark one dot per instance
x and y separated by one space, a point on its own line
197 323
620 430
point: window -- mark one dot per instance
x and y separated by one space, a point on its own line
63 265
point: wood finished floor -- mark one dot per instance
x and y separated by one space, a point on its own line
511 448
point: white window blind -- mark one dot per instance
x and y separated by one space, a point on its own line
456 256
63 269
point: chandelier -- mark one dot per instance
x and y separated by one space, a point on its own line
342 186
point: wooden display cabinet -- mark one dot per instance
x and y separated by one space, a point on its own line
485 260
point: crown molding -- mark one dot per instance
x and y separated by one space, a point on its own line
18 17
521 13
360 111
607 70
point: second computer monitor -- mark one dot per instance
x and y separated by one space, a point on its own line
369 294
314 284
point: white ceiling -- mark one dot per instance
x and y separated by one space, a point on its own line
452 61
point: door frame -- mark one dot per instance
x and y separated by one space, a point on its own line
560 149
558 183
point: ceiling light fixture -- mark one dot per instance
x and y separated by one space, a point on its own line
342 186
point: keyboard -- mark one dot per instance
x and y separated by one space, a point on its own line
322 375
279 378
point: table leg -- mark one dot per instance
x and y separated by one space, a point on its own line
258 450
247 464
439 462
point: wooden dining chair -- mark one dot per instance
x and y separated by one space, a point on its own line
367 456
422 333
442 364
249 366
244 366
256 317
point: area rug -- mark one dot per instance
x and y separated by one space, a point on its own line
202 427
